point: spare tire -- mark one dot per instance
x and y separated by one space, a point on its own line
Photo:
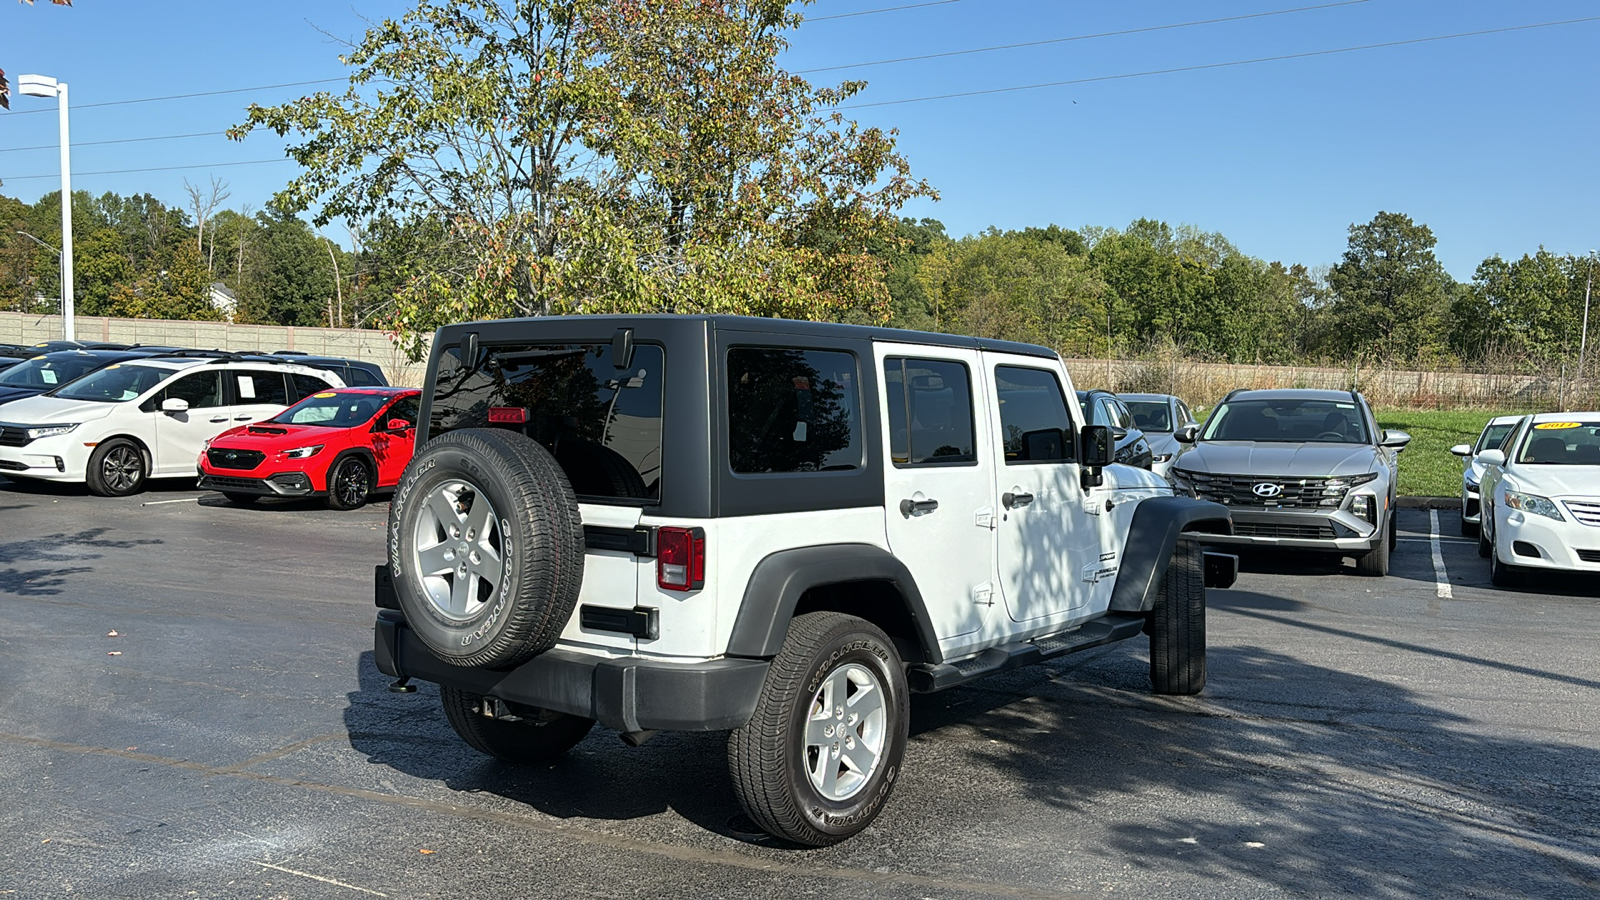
486 547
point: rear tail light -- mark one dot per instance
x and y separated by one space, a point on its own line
680 558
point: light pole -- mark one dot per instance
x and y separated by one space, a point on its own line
44 86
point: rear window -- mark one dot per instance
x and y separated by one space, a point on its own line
602 424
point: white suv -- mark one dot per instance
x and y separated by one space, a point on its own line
707 523
149 418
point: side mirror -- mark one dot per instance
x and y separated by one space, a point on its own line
1099 448
1396 439
1187 434
397 426
1462 450
174 405
1492 458
1118 434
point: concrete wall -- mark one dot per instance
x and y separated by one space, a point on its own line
373 346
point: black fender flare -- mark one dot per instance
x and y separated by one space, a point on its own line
346 453
779 580
1152 536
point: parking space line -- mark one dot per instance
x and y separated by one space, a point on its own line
319 878
183 500
1439 574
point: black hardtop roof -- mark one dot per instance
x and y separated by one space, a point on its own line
1293 394
766 326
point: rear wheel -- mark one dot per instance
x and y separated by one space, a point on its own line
817 761
1178 624
117 468
534 735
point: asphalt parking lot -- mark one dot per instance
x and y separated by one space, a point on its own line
1360 737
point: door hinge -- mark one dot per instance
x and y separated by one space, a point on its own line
983 594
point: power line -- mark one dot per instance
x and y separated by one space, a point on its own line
1081 37
868 12
248 162
75 144
263 87
1221 65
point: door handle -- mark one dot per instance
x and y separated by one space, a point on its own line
243 418
223 419
909 507
1013 500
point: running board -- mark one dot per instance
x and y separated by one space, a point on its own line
926 678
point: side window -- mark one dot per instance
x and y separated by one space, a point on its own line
405 408
793 410
1033 416
1184 415
306 385
359 377
1105 413
254 386
1124 418
930 412
202 390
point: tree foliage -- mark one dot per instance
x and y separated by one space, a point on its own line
602 156
1392 294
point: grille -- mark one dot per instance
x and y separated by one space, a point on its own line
12 436
1284 530
235 459
225 483
7 465
1239 490
1585 511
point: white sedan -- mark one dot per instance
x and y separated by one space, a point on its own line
1493 434
1541 497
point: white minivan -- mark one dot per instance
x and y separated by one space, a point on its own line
150 418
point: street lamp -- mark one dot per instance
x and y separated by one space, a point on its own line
44 86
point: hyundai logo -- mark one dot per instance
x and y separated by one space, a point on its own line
1267 490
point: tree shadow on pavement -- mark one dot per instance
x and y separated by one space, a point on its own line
63 547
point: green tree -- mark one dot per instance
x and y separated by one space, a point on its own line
602 155
1391 294
288 279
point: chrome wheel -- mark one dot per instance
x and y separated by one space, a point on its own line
458 546
845 732
122 469
351 484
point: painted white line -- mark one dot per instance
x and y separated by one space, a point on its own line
1442 540
1439 574
319 878
159 502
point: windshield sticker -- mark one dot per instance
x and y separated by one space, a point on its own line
48 376
114 366
1556 426
325 395
247 387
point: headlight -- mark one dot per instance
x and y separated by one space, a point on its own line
1533 503
1162 457
44 431
302 452
1472 485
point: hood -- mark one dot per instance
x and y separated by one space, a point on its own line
1556 481
1278 459
50 410
1121 477
270 437
8 394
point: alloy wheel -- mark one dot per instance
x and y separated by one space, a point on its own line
122 469
845 732
458 546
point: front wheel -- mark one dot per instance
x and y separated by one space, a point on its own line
117 468
1500 574
534 736
1178 624
1375 562
817 761
349 484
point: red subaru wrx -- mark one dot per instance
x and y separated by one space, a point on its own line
345 444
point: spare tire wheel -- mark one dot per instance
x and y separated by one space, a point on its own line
486 547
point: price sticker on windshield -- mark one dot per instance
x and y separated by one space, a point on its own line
325 395
1556 426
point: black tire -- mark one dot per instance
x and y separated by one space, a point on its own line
349 483
117 468
240 499
536 566
537 736
1500 574
1394 532
1178 624
768 757
1468 529
1484 547
1375 562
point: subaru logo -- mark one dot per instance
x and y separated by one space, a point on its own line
231 455
1267 490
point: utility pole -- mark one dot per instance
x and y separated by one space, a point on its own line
1583 338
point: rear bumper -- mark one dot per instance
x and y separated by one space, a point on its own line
283 484
627 694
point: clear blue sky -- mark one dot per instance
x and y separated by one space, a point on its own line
1489 140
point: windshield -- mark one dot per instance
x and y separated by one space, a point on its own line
1151 415
1573 443
332 410
1493 436
1287 421
45 374
114 383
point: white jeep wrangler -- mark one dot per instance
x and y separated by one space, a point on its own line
780 528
